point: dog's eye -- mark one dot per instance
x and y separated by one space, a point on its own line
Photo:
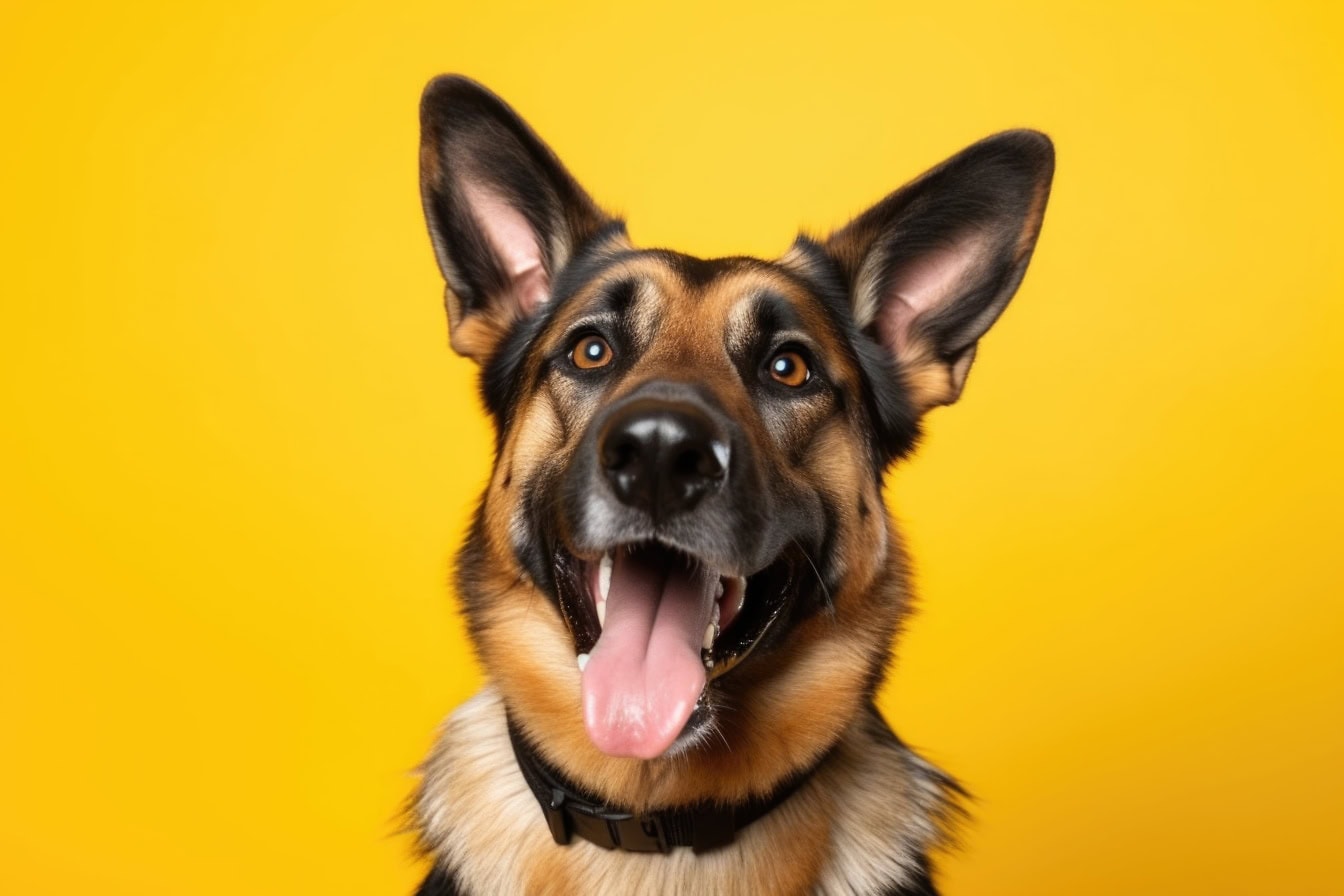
590 352
790 369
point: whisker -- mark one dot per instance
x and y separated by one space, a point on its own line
828 600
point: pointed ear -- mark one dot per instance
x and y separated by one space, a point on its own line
932 266
504 215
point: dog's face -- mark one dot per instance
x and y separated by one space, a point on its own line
682 556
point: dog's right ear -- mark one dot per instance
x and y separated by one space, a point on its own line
504 215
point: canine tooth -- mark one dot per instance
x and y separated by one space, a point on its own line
604 578
602 612
711 632
583 661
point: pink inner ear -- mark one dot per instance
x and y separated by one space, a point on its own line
924 285
514 243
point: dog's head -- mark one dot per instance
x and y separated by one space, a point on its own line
682 556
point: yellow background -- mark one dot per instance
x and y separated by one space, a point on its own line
237 451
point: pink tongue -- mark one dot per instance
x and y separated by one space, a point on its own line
645 675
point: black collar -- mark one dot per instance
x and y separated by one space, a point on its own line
703 827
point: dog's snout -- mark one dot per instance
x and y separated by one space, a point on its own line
663 457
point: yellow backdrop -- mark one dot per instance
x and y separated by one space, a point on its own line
237 451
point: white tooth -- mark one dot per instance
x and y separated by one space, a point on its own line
583 661
604 578
711 632
601 612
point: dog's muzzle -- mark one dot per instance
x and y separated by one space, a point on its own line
673 558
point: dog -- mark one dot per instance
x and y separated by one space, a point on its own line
682 582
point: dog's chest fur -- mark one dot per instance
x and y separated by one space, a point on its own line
681 581
839 834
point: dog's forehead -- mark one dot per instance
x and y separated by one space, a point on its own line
670 296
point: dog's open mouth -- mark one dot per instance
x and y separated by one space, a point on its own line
652 626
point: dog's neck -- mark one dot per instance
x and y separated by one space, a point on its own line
571 811
479 819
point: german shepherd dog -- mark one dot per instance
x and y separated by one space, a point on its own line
682 581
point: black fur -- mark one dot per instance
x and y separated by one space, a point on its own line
919 885
440 882
988 197
894 423
477 136
994 192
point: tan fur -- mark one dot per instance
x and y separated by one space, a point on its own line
929 382
539 436
696 435
475 336
835 835
862 536
827 654
788 708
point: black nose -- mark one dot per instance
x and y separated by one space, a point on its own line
663 457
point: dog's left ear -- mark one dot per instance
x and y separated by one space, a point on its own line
504 215
932 266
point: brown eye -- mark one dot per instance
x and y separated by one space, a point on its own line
790 369
590 352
